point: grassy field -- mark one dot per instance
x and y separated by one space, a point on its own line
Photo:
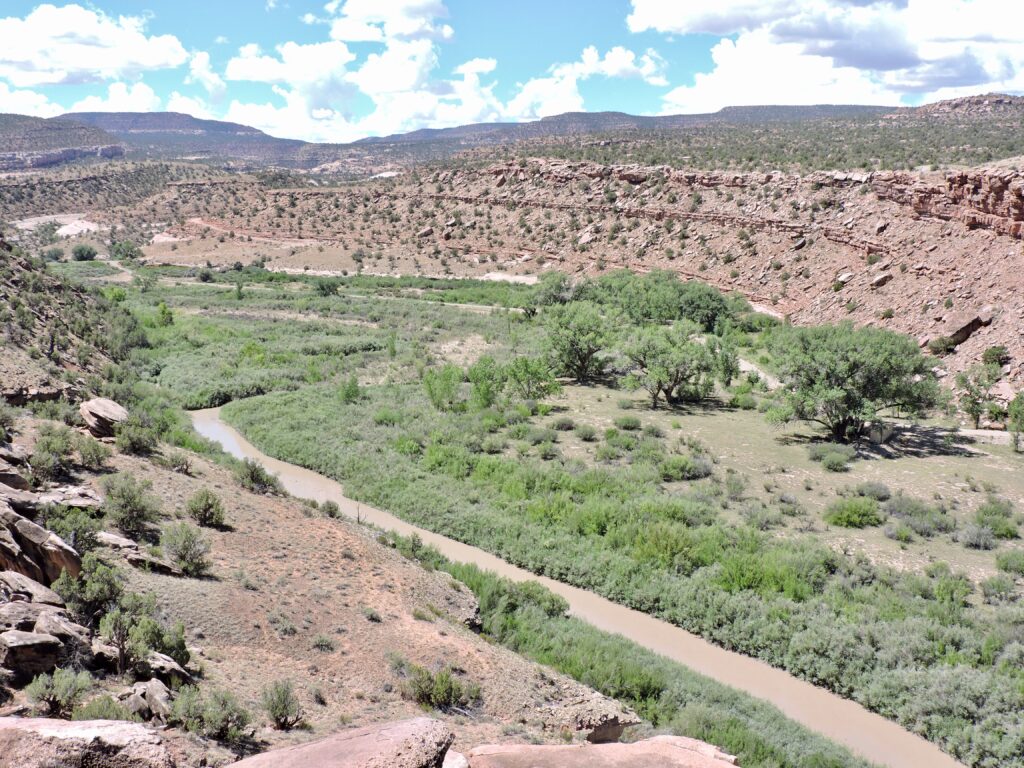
702 514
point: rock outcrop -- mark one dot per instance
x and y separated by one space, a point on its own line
28 654
46 743
417 743
657 752
33 551
102 415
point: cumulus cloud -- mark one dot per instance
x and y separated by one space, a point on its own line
200 72
177 102
73 44
882 49
121 97
27 102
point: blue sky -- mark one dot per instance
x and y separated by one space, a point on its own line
339 70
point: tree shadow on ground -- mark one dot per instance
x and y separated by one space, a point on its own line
915 441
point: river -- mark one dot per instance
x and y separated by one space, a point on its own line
868 735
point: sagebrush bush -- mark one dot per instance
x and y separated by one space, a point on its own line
442 691
60 692
1011 561
922 518
675 468
834 462
997 515
586 433
104 707
854 512
282 705
253 477
974 536
818 451
205 507
628 423
92 454
136 436
129 504
217 714
187 548
876 491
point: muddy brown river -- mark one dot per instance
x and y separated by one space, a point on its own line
866 734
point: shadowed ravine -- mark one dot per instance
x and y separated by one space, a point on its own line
869 735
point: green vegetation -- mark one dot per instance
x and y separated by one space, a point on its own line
205 507
58 694
187 548
282 705
215 713
856 512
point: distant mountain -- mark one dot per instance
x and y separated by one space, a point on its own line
577 123
173 134
32 142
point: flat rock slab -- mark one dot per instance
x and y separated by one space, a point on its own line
657 752
38 742
17 583
101 415
417 743
28 654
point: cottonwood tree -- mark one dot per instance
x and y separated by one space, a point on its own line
530 378
577 336
670 362
843 377
974 388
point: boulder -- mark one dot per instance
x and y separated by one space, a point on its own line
102 415
40 554
959 327
10 476
31 742
657 752
75 496
56 623
844 278
417 743
881 279
17 584
22 615
28 654
425 232
150 700
167 669
14 454
601 718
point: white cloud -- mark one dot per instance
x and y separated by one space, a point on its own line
393 19
176 102
220 40
877 49
26 102
121 97
201 73
756 70
72 44
618 62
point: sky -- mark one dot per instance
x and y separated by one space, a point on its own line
346 69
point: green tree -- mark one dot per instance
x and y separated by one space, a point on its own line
552 288
1015 417
530 378
129 504
843 377
488 379
280 702
125 249
974 386
96 589
577 335
442 386
670 362
83 252
123 628
702 304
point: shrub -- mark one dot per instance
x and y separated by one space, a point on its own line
628 423
92 454
103 708
50 456
59 693
834 462
323 643
977 537
995 355
218 715
1011 561
179 462
586 433
97 587
674 468
282 705
564 424
941 345
83 252
205 508
818 451
998 589
923 519
8 417
75 526
252 476
129 504
441 691
136 436
855 512
330 509
372 615
997 515
876 491
187 548
735 485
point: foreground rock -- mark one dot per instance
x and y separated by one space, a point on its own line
417 743
657 752
46 743
102 415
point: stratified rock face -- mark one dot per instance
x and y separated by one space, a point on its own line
658 752
45 743
28 654
102 415
417 743
33 551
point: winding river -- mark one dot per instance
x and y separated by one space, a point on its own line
866 734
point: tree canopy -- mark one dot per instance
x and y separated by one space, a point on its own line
577 334
844 377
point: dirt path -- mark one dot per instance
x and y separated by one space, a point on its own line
872 736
